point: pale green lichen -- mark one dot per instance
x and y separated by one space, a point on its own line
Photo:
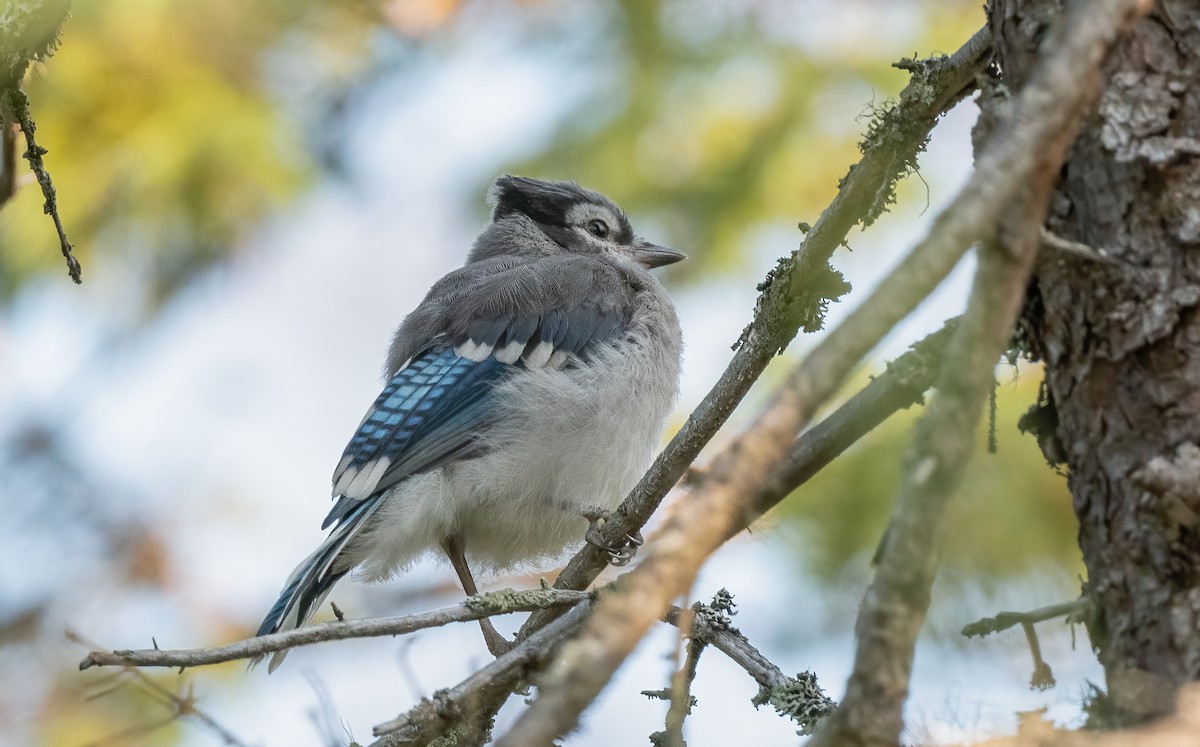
799 698
508 600
718 614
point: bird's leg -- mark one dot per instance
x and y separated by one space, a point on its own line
497 644
618 556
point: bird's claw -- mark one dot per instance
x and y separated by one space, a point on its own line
618 556
621 556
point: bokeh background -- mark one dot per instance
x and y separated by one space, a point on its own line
260 191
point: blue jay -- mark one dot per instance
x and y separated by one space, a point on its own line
524 398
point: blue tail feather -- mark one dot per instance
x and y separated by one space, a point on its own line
313 579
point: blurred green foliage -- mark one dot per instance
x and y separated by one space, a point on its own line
1012 515
165 141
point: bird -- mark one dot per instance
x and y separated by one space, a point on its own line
523 399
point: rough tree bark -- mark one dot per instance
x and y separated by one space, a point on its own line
1118 329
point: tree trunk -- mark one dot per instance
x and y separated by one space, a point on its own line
1116 322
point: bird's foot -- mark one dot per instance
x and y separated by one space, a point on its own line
617 556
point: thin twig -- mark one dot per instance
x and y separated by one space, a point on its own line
129 734
17 109
323 713
729 641
456 711
1072 610
186 706
479 606
1056 243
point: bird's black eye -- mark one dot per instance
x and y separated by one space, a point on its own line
598 228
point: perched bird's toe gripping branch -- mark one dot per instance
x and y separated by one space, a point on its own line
618 556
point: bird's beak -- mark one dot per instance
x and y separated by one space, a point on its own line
653 255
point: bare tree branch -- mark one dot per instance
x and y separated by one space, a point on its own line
479 606
460 713
706 518
1056 243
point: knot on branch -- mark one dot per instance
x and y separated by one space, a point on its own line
799 698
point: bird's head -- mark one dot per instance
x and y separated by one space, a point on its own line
571 218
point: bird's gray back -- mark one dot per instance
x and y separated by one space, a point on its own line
518 286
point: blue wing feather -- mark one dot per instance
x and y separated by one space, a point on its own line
428 413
